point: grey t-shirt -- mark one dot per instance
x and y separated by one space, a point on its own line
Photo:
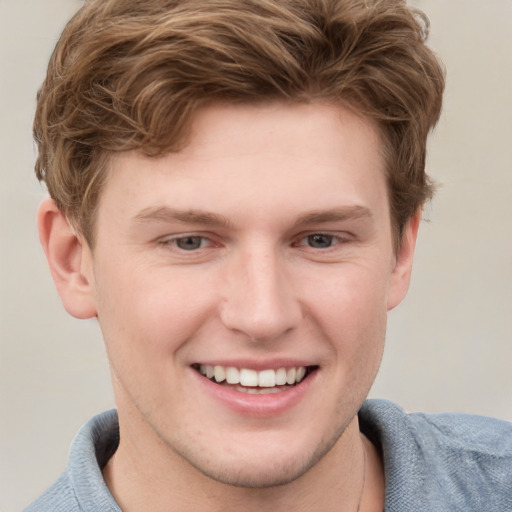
432 463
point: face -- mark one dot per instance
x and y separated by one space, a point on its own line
262 254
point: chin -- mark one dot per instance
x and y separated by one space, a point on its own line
257 477
265 470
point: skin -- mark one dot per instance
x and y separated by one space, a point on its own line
247 194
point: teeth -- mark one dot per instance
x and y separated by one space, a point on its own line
248 377
281 377
267 379
219 373
232 375
291 375
252 378
207 370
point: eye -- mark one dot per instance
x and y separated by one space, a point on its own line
189 243
320 240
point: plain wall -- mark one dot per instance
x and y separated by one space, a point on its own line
449 344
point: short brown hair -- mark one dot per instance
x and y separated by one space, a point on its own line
130 74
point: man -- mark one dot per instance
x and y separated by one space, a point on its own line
236 189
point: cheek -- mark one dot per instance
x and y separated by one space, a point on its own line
149 312
354 295
144 324
350 308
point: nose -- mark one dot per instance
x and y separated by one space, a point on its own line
259 298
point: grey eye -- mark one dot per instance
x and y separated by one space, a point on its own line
320 241
189 243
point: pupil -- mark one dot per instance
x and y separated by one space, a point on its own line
189 243
320 241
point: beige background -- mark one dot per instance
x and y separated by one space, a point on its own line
449 344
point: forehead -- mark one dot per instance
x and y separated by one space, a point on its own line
288 130
280 156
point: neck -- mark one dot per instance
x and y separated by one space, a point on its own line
151 476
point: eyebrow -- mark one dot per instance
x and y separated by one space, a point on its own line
192 216
334 215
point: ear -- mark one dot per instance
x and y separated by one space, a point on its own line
69 259
401 273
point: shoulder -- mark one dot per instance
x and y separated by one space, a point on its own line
457 461
60 497
81 487
452 431
464 434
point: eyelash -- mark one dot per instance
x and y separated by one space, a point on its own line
332 240
175 241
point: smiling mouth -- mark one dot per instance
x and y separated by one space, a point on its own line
251 381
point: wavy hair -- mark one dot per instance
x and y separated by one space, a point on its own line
130 74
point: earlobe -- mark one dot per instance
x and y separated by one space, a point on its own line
401 273
66 254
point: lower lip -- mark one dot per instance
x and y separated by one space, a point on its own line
257 405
